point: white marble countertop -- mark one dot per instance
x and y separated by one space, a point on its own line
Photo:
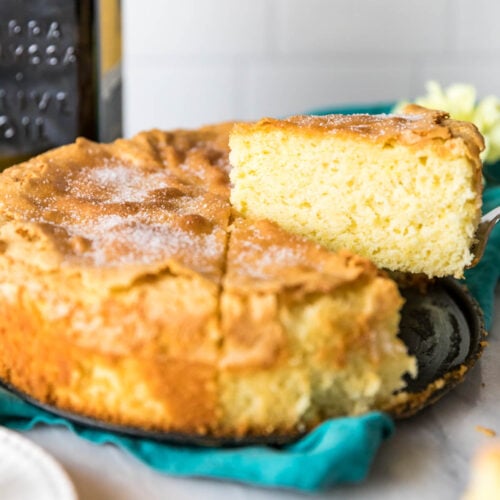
428 457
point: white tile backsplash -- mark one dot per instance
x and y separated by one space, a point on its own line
178 95
162 28
280 89
477 69
192 62
362 26
478 26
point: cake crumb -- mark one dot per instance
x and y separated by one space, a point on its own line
486 431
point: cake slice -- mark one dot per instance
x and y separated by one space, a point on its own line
403 190
308 334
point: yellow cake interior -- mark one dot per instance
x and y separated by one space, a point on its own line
374 185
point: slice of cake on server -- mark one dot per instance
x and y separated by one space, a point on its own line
403 190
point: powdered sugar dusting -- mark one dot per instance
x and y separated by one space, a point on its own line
276 255
119 183
117 240
258 257
375 126
111 214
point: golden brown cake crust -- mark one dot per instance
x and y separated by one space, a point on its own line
130 292
266 258
414 126
103 206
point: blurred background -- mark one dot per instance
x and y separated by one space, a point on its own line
194 62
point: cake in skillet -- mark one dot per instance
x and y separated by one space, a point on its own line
402 190
132 293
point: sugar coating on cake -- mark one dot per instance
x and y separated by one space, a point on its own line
130 292
403 190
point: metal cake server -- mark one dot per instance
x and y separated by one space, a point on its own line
488 222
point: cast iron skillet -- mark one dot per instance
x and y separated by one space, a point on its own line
442 326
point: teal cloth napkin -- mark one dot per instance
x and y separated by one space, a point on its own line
338 451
